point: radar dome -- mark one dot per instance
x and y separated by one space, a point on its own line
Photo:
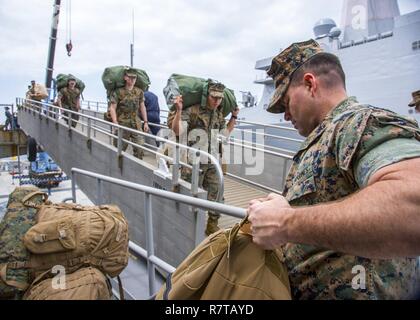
323 27
335 33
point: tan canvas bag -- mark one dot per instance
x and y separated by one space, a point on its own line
229 266
84 284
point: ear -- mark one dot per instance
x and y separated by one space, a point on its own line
310 83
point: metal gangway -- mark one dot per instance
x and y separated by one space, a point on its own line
90 147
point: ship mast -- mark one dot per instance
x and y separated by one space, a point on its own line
53 41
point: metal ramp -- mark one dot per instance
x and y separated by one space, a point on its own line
179 227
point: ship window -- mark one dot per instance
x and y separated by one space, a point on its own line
416 45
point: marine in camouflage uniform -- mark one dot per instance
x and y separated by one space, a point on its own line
199 117
70 99
128 102
334 162
124 106
337 160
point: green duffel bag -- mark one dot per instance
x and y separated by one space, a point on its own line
195 91
62 80
19 218
113 78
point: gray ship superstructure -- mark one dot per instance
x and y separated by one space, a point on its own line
380 52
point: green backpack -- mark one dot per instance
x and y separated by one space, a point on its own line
19 218
195 91
62 80
113 78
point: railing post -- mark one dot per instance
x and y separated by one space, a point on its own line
99 192
120 147
198 216
149 243
73 186
120 142
175 169
69 119
89 128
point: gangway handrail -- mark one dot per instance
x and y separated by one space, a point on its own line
152 260
266 135
273 126
178 146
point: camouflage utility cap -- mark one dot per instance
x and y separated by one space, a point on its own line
283 67
216 89
416 99
71 78
130 73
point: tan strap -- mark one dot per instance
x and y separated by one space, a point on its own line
245 226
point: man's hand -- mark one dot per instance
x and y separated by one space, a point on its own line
146 127
235 112
268 217
179 103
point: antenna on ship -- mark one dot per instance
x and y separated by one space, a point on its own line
132 45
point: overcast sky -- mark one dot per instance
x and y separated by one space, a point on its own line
206 38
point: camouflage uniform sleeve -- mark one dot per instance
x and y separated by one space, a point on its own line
113 97
386 154
60 93
222 121
185 116
372 130
141 98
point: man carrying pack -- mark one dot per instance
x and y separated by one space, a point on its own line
124 105
348 223
205 118
69 98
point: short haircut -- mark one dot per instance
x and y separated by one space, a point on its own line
325 65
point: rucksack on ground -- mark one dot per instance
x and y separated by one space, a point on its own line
84 284
195 91
19 218
62 81
36 236
113 78
229 266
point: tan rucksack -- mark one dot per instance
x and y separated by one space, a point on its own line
229 266
75 236
84 284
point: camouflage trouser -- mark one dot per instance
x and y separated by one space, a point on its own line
71 115
208 181
134 138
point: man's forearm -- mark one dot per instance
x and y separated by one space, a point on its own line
143 112
381 221
231 125
176 124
